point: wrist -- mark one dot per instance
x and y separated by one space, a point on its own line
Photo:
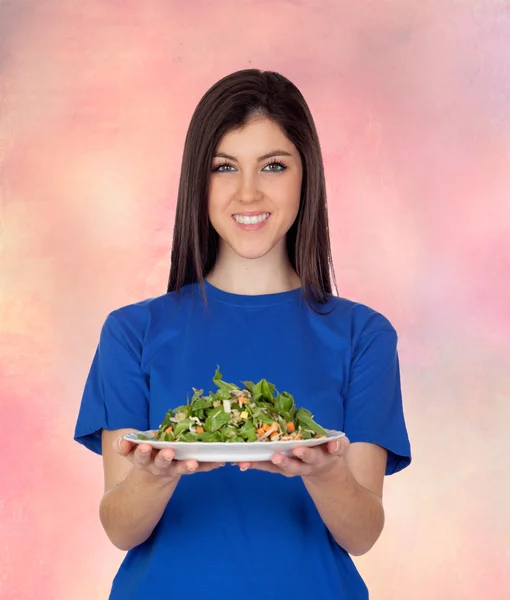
142 477
338 471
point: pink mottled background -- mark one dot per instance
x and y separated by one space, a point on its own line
412 103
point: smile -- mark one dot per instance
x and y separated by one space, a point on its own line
252 220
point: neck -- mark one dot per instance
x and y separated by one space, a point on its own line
269 274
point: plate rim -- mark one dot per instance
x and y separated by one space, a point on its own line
331 435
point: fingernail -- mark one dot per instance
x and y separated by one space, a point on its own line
243 468
277 460
168 458
337 446
144 450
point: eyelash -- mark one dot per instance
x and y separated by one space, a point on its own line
274 162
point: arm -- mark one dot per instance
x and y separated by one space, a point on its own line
345 483
349 497
134 499
138 489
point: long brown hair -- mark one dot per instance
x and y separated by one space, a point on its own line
228 105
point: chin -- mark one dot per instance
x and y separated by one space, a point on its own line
252 252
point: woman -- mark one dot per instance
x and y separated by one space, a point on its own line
250 289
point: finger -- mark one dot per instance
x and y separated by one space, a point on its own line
339 447
142 456
310 456
244 466
291 466
267 466
163 459
206 467
184 467
167 454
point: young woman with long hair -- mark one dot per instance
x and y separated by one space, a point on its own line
250 289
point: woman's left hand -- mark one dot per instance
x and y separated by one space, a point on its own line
305 462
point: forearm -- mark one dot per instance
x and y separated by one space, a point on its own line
130 511
353 514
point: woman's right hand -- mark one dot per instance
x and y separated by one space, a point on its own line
161 463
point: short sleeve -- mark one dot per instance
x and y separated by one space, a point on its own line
373 406
116 393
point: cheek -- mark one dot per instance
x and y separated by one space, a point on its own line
214 202
290 198
219 197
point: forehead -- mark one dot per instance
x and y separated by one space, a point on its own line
256 137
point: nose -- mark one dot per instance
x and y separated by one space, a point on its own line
248 191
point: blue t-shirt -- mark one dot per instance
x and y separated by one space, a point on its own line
250 535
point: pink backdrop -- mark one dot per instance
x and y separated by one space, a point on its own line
411 100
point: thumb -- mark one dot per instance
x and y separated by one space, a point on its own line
122 446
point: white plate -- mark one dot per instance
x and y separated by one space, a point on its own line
232 452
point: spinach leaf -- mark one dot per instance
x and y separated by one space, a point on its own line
249 385
181 426
307 422
287 401
166 421
207 436
248 432
228 431
268 390
201 404
222 384
304 411
289 416
263 418
196 394
188 437
222 395
216 420
264 390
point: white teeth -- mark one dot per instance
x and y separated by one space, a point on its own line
251 220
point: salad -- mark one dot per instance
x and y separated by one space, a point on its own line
256 412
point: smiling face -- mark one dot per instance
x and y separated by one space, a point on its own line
255 189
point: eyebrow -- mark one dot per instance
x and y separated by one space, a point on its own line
260 158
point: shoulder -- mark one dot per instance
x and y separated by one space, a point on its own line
139 320
358 318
